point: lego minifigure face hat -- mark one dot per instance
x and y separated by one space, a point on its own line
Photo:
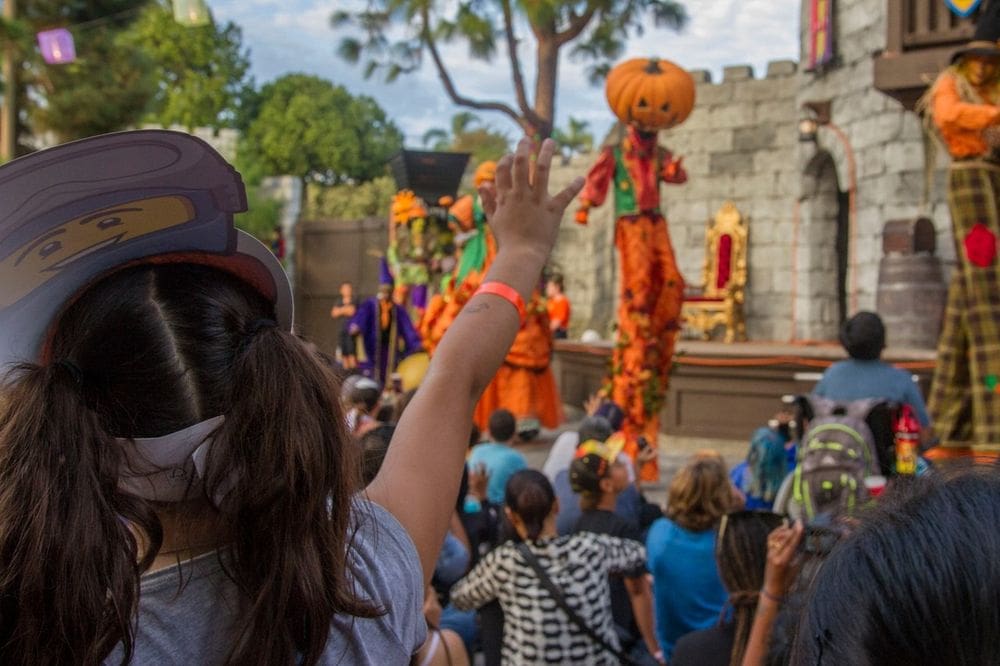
78 212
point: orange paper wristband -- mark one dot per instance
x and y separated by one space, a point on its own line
505 292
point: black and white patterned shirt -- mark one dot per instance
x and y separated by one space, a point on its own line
536 630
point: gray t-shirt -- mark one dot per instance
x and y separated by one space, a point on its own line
189 614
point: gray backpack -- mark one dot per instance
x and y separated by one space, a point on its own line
834 457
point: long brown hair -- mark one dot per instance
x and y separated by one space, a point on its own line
699 494
741 555
143 353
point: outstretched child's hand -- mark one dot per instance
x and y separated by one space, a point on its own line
523 216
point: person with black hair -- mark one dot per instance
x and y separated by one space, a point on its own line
536 630
917 581
558 307
740 554
598 476
497 458
865 375
365 399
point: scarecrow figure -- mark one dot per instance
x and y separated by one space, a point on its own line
963 106
647 95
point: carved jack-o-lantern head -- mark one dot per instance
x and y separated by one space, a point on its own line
650 94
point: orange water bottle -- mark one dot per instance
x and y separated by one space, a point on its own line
907 442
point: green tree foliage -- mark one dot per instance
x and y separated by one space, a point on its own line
313 129
261 217
350 202
468 135
594 31
575 139
200 72
105 89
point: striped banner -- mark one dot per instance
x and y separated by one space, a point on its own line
820 33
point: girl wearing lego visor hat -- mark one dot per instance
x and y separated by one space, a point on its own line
176 485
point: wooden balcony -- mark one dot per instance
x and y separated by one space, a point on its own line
922 35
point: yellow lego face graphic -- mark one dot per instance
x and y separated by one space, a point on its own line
41 259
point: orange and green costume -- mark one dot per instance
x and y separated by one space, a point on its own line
524 384
651 288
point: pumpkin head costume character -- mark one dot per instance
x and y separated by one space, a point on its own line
964 106
647 95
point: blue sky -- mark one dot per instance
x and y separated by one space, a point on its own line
295 36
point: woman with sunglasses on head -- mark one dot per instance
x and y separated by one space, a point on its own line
176 483
687 592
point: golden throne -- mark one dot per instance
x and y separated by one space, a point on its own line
724 278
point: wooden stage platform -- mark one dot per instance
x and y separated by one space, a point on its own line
723 390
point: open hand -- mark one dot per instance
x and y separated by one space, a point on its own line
523 216
782 545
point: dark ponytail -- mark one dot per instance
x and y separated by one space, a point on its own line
285 475
162 348
69 564
741 555
530 495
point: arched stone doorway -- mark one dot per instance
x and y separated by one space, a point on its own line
822 253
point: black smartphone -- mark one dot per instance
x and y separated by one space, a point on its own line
643 443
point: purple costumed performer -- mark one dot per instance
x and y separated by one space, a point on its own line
387 334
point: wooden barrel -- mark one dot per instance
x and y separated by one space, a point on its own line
910 299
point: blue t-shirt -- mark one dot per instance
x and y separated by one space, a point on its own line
856 380
501 462
687 591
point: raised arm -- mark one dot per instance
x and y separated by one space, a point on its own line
419 480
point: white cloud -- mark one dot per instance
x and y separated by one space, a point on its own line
295 35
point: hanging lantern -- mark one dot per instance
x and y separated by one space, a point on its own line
192 13
57 46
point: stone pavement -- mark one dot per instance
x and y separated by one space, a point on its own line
674 452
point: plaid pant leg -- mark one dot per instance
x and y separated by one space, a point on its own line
973 199
949 401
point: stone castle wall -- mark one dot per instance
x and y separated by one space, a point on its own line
887 147
741 143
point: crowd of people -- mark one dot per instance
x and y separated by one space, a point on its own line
570 563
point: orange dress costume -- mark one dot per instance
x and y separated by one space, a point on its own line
524 384
651 288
